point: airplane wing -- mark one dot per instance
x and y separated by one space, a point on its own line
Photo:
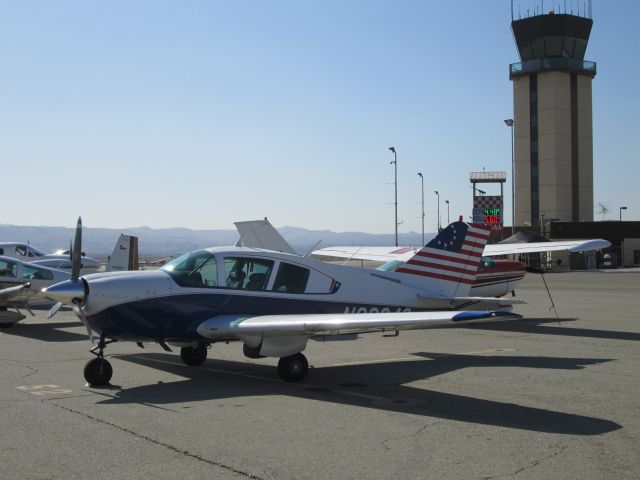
7 294
339 323
572 246
378 254
386 254
261 234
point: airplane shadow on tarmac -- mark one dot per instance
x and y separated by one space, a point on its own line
556 327
48 332
380 386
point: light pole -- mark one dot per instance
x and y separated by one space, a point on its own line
509 123
395 165
422 183
622 208
447 202
438 195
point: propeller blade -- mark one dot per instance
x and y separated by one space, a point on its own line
54 310
76 258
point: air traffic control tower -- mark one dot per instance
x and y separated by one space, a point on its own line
553 137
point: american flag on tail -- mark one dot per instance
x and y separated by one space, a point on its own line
454 255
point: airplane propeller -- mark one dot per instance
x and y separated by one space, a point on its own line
71 291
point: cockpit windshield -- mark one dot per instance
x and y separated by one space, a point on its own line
194 269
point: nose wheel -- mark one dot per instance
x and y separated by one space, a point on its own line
98 371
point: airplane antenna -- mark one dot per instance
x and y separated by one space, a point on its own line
306 255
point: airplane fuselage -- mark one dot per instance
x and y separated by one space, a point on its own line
164 304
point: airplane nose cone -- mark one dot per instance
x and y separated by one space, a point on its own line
66 292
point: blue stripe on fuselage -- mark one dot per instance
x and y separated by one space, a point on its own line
177 317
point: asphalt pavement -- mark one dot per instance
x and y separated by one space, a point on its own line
552 396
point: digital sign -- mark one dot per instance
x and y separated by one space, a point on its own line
487 210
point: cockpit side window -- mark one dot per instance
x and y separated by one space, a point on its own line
8 269
291 278
246 273
34 273
194 269
21 250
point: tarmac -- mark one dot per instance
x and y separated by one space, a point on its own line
543 398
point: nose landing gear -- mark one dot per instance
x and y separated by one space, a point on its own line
98 371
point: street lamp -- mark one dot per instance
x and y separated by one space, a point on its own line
509 123
422 182
438 195
447 202
394 162
622 208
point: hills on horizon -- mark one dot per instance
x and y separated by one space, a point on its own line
166 242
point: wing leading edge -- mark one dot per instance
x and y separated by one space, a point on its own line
232 326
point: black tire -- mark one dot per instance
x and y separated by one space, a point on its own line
194 357
98 372
293 368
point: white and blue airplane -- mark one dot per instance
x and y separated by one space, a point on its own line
275 302
21 281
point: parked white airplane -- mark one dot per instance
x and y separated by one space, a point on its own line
21 282
275 302
495 278
30 254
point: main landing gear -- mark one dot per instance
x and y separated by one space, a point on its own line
194 356
98 371
293 368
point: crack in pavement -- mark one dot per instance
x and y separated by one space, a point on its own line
31 370
531 465
413 435
170 447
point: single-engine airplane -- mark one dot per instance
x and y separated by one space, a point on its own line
495 278
274 302
60 259
21 282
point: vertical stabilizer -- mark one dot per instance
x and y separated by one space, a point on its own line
125 254
448 264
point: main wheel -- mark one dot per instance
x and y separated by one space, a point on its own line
194 356
98 372
293 368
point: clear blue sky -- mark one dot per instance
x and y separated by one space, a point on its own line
201 113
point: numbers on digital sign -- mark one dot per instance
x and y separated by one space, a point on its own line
492 211
491 219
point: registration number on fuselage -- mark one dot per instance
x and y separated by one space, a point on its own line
376 309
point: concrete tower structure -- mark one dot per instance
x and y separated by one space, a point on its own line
553 137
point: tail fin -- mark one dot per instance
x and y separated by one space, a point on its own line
125 254
448 264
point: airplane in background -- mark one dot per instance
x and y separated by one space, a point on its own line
495 277
60 259
275 302
21 281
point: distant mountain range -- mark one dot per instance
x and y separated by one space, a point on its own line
165 242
